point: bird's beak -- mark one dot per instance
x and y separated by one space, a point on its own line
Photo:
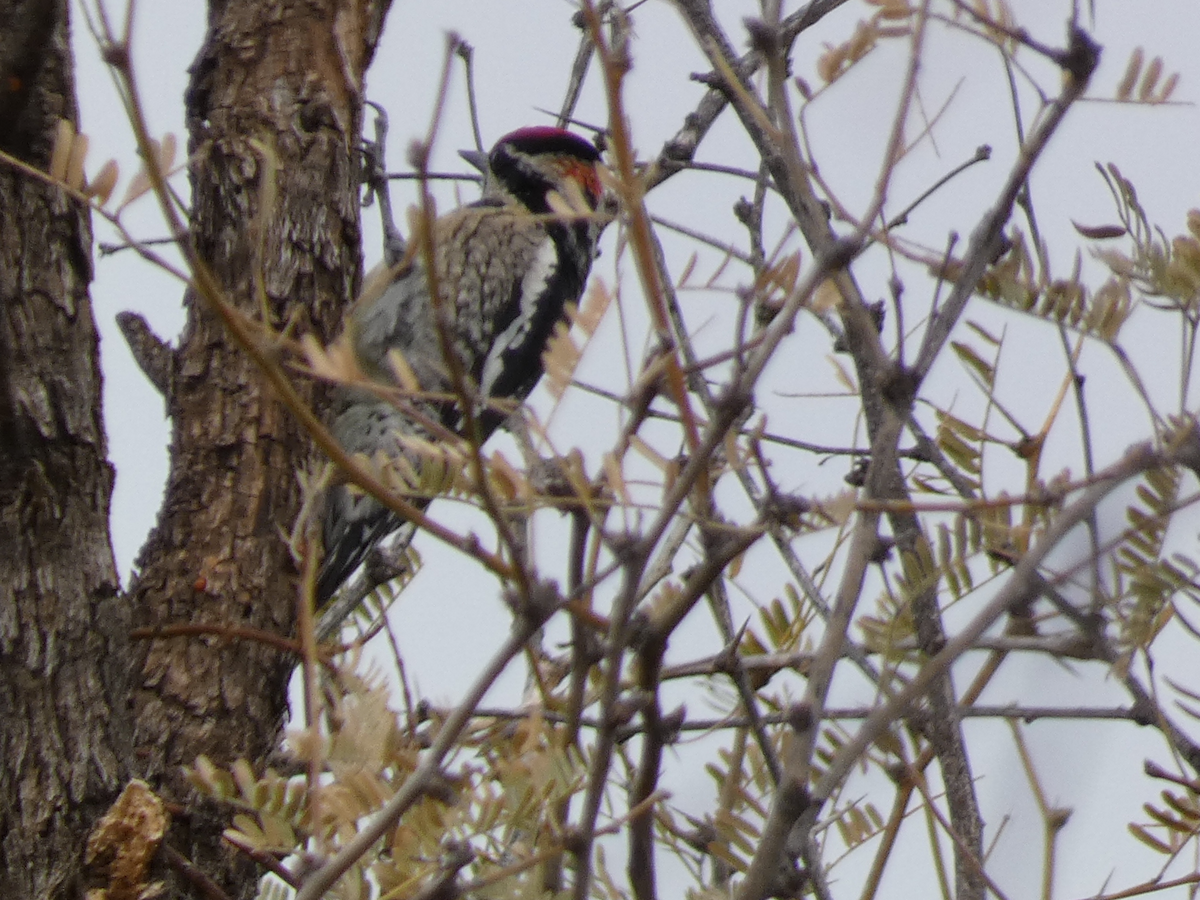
476 158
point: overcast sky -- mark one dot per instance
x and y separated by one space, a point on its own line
523 52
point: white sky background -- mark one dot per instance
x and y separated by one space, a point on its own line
523 52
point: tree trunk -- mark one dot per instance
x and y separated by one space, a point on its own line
275 93
64 732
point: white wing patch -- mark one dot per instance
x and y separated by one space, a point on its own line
533 285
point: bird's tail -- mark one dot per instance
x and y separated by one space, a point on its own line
348 548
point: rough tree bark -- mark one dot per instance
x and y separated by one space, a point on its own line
64 734
81 709
276 92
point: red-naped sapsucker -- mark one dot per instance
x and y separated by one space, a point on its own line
506 268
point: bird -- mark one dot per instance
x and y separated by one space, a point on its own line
507 267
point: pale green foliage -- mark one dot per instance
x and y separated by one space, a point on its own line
1017 281
1145 582
1166 269
509 777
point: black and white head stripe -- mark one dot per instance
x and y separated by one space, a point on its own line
530 162
543 139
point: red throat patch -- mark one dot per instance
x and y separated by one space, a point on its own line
585 175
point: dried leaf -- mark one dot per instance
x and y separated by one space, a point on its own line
337 362
1150 79
659 461
244 776
60 157
595 304
1168 88
829 63
615 478
137 187
166 153
1100 232
966 353
79 148
507 479
826 297
560 359
1129 79
101 187
402 371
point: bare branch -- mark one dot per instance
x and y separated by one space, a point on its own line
154 356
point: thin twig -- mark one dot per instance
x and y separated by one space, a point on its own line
1017 589
417 783
1080 61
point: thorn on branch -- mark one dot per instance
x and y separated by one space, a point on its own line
116 55
800 717
924 450
1142 712
857 476
1056 818
671 725
540 602
743 211
711 80
878 313
899 386
735 398
764 38
622 713
841 252
154 356
883 549
418 155
1081 57
765 312
726 662
679 150
785 509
